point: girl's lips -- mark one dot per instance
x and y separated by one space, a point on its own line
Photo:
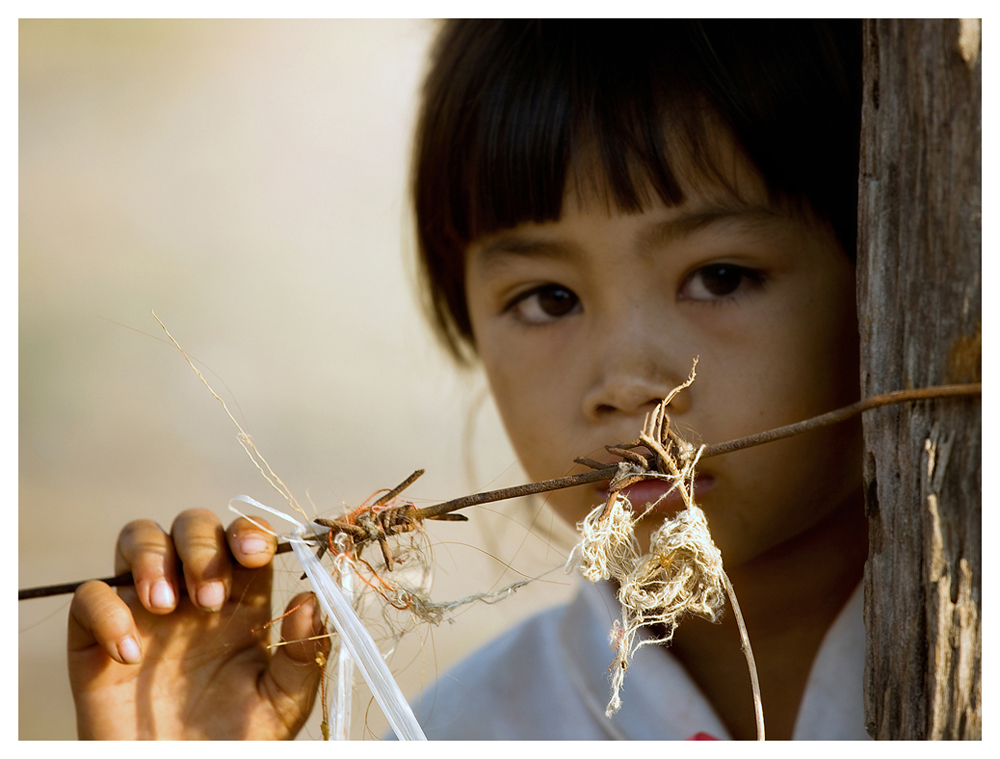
643 494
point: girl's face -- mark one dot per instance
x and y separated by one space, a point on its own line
585 323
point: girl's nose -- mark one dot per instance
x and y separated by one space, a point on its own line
635 369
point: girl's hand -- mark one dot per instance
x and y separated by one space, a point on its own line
174 656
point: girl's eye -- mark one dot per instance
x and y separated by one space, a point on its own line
717 281
544 304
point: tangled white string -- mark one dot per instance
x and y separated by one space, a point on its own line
681 573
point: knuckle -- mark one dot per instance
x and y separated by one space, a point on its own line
97 607
199 515
242 524
198 545
205 562
197 531
140 542
195 521
86 595
139 530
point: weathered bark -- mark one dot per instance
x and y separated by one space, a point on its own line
920 307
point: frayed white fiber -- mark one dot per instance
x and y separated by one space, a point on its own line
609 549
682 572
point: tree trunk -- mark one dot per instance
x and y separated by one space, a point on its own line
920 310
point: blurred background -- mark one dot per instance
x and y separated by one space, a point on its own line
245 180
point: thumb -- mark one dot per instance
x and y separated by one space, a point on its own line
294 671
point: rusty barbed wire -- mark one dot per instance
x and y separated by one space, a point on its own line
380 521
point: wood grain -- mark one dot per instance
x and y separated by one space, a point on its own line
920 311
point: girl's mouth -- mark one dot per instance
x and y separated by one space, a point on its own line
653 493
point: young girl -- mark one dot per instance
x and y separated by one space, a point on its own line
598 203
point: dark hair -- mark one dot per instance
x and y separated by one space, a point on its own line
508 106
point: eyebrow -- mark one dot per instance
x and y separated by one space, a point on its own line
750 217
517 244
500 252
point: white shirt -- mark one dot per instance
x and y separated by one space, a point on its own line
547 678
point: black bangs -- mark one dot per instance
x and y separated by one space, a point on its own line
512 109
553 92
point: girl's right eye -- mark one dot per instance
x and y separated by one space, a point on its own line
543 304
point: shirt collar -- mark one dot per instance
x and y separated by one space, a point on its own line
661 702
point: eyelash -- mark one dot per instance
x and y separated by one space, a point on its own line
516 305
745 279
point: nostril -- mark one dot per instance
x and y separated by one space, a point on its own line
638 409
633 392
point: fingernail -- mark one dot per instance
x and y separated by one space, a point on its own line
161 595
211 596
253 544
128 650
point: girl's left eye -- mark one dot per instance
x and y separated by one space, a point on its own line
544 304
716 282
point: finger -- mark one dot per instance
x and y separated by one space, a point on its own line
201 546
146 550
296 668
99 616
251 544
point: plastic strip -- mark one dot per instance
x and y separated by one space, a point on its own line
353 634
361 646
344 683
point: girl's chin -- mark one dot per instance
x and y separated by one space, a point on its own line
652 496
